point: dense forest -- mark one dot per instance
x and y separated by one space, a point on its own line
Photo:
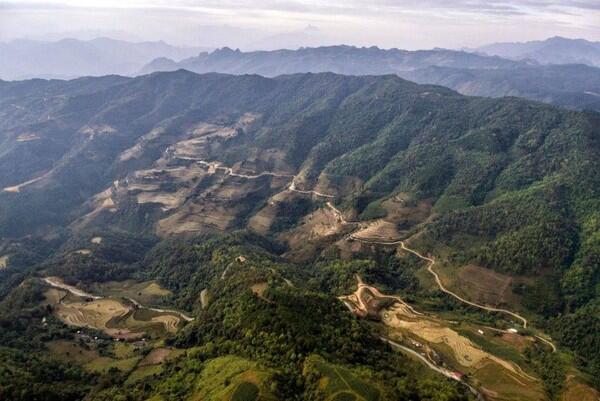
280 331
210 186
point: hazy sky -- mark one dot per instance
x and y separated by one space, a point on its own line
254 24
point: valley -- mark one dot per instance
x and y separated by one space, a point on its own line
310 236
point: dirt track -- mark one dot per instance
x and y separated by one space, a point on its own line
292 188
443 371
447 291
431 263
229 171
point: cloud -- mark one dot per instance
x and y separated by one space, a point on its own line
412 23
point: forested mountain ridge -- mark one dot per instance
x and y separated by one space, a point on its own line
570 85
384 134
113 180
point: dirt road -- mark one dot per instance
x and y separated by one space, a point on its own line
58 283
229 171
448 373
431 263
453 294
293 188
361 285
17 188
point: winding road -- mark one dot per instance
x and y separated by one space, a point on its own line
229 171
431 262
58 283
361 285
453 294
293 188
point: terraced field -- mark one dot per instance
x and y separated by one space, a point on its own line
113 316
444 348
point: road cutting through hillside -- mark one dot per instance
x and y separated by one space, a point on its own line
447 291
448 373
340 217
17 188
361 285
438 281
229 171
293 188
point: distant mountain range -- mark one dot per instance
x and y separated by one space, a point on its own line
525 70
555 50
573 86
342 59
71 58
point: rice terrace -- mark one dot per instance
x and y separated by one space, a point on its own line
122 318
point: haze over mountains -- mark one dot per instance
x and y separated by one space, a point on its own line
72 58
527 70
556 50
572 85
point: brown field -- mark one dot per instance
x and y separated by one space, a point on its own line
99 203
346 186
155 357
170 322
261 222
578 391
259 289
515 340
83 252
204 298
3 262
403 214
465 352
115 318
481 285
68 351
198 218
499 378
137 150
96 240
95 130
429 335
379 230
95 314
315 229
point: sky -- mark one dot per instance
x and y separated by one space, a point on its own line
269 24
